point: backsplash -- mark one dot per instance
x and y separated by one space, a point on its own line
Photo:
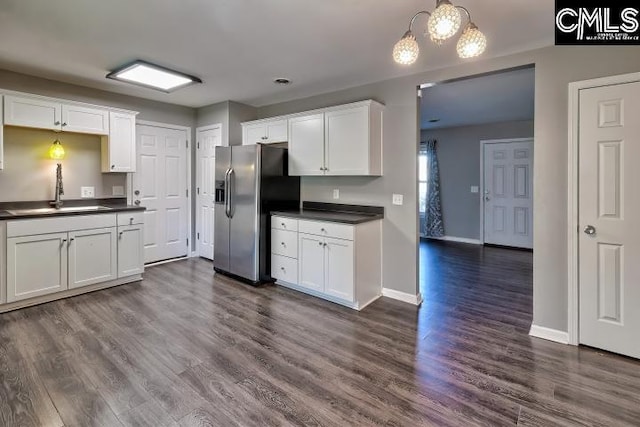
29 174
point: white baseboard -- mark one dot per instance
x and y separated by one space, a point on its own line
402 296
549 334
457 239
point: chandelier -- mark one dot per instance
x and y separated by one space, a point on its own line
443 23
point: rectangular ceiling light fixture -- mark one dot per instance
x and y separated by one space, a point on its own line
152 76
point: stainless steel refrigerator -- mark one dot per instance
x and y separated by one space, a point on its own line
250 182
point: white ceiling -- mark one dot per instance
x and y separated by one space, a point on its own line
492 98
238 46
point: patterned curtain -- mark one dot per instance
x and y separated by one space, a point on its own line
433 225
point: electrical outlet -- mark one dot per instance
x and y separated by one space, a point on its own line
87 192
336 193
398 199
475 189
117 190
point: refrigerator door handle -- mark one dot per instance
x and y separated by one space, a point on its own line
227 205
232 189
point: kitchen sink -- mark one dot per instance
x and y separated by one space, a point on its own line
45 211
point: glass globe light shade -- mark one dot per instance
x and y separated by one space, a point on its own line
444 22
472 43
406 51
56 151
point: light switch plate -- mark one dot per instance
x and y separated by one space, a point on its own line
117 190
398 199
336 193
87 192
475 189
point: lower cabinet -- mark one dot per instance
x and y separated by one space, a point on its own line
130 250
36 265
92 257
46 256
337 262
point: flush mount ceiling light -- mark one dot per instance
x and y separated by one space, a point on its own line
443 24
152 76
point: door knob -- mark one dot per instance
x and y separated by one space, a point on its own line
137 202
590 230
487 198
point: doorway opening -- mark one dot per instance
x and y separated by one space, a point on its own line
475 194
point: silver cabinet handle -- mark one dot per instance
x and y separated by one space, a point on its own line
137 202
113 166
319 243
282 268
283 244
323 230
590 230
57 123
64 124
120 234
283 225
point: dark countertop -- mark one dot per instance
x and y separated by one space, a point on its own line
114 205
345 214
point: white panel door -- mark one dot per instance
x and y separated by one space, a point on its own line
609 208
306 145
32 112
311 262
161 186
347 141
92 257
339 269
207 141
36 265
130 250
508 194
77 118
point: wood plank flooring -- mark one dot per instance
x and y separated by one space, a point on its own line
185 348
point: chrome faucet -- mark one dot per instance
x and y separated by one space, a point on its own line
57 203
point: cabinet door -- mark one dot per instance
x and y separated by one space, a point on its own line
92 256
119 149
36 265
306 145
130 250
1 132
76 118
253 134
277 131
32 112
339 271
311 262
347 141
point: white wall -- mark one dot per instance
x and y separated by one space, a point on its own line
555 68
458 151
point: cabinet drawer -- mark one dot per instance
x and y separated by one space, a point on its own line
327 229
284 243
130 218
285 269
282 223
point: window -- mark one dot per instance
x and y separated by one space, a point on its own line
422 182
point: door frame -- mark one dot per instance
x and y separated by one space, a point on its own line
573 224
196 252
187 129
483 144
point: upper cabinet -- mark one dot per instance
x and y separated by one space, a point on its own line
339 141
80 119
119 148
264 132
117 127
32 112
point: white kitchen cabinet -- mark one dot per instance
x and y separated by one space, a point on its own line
81 119
36 265
338 262
32 112
130 250
119 147
264 132
311 268
339 268
337 141
92 257
306 145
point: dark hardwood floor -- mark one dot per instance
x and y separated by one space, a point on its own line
185 348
